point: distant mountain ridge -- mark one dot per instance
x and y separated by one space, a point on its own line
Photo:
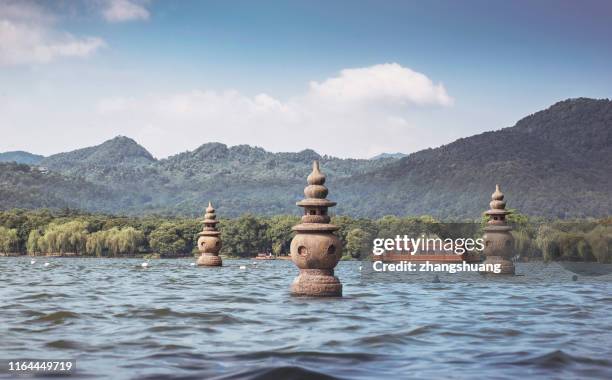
119 151
388 155
21 157
248 178
555 163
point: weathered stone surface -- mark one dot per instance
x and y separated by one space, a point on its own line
209 261
316 283
209 244
209 241
315 250
505 266
499 242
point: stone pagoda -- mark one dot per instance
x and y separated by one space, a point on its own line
209 243
499 242
315 250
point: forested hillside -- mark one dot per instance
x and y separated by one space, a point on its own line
21 157
555 163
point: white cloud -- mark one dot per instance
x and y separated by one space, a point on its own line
168 123
27 35
125 10
387 82
359 113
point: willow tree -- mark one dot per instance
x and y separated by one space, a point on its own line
33 239
116 241
9 240
600 239
358 243
63 238
97 244
125 241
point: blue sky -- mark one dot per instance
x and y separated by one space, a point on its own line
365 76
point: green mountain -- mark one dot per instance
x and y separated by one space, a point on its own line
388 155
554 163
120 152
243 178
23 186
21 157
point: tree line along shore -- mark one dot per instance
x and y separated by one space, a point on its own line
74 233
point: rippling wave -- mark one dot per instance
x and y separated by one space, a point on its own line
175 321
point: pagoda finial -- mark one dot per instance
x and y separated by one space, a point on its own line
210 215
497 200
316 177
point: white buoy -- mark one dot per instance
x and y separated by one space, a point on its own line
192 264
47 264
144 265
360 268
243 267
33 262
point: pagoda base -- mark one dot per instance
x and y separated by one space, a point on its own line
316 283
505 266
209 261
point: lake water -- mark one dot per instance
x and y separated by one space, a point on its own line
173 320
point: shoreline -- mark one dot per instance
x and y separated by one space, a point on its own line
147 256
284 258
